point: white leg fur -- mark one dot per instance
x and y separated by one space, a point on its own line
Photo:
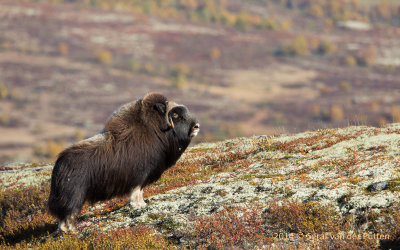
71 224
141 201
136 198
68 225
62 226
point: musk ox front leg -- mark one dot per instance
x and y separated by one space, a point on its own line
136 198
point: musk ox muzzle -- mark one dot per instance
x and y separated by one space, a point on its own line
139 142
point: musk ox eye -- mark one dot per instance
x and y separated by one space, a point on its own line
175 115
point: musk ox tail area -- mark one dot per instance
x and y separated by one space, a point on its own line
68 186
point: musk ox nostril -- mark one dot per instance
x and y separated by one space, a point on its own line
195 130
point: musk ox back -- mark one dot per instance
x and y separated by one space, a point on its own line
138 143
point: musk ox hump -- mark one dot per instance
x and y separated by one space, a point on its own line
148 113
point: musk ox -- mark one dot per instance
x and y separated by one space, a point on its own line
138 143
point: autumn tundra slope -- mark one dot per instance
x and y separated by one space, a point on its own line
328 188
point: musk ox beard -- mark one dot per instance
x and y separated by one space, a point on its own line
140 141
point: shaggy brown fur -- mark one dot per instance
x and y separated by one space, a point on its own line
139 142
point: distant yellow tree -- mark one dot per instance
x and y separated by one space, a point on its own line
286 25
63 49
148 68
135 65
374 106
384 10
326 48
328 24
382 121
336 113
345 86
49 149
269 23
179 76
299 47
228 18
335 9
215 54
350 61
78 135
54 148
5 119
367 56
316 110
5 45
316 10
313 43
395 112
104 56
4 92
241 22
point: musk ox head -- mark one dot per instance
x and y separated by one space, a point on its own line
184 125
170 116
176 117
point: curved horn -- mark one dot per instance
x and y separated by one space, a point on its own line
170 105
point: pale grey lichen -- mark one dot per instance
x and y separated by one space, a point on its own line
20 175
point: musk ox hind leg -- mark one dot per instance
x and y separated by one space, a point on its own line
71 220
62 226
69 189
68 224
136 198
65 202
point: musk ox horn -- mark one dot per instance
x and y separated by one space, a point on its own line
170 106
162 106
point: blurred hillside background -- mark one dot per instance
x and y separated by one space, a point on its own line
243 67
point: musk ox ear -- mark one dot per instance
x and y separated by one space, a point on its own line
162 109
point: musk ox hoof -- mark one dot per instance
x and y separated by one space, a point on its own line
137 204
67 227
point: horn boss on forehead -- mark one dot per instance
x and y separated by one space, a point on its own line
138 143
